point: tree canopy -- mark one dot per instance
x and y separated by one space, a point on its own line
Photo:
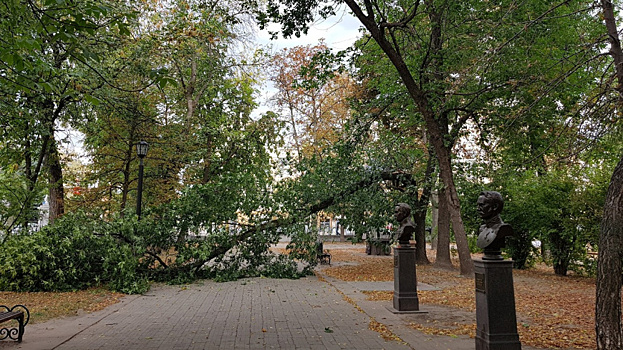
434 97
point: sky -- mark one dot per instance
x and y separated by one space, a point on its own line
339 32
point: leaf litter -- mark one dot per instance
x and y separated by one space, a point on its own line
44 306
553 312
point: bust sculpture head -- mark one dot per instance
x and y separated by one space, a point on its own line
402 211
492 234
490 204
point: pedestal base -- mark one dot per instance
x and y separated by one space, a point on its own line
496 320
394 311
405 281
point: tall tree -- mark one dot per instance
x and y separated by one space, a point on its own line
314 99
45 48
197 120
407 151
610 263
448 56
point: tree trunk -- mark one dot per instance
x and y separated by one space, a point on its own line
125 186
609 268
560 249
615 42
454 209
55 173
435 220
443 233
28 205
436 128
561 268
421 208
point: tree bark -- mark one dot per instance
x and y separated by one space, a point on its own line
615 43
55 173
421 209
435 219
443 233
609 266
454 209
125 186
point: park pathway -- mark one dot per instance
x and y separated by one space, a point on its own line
254 313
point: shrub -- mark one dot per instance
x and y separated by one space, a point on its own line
76 252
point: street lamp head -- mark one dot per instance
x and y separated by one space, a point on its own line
141 149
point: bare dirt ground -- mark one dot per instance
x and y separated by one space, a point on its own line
553 312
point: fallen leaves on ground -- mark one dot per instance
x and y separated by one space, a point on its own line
366 268
47 305
553 312
380 328
385 332
444 328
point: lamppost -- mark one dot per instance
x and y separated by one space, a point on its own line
141 151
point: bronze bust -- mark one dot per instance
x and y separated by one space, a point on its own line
492 234
402 213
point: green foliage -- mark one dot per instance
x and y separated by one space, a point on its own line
562 209
556 208
237 264
80 250
50 63
519 71
18 200
77 252
203 232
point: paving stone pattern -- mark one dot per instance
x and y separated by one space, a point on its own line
254 313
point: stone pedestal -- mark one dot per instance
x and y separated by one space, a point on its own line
496 320
405 282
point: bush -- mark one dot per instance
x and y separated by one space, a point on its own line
81 250
75 253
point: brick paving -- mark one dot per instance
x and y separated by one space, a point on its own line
257 313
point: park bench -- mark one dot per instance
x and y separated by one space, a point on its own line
19 313
323 256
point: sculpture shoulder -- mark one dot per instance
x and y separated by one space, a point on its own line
486 236
408 227
505 230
